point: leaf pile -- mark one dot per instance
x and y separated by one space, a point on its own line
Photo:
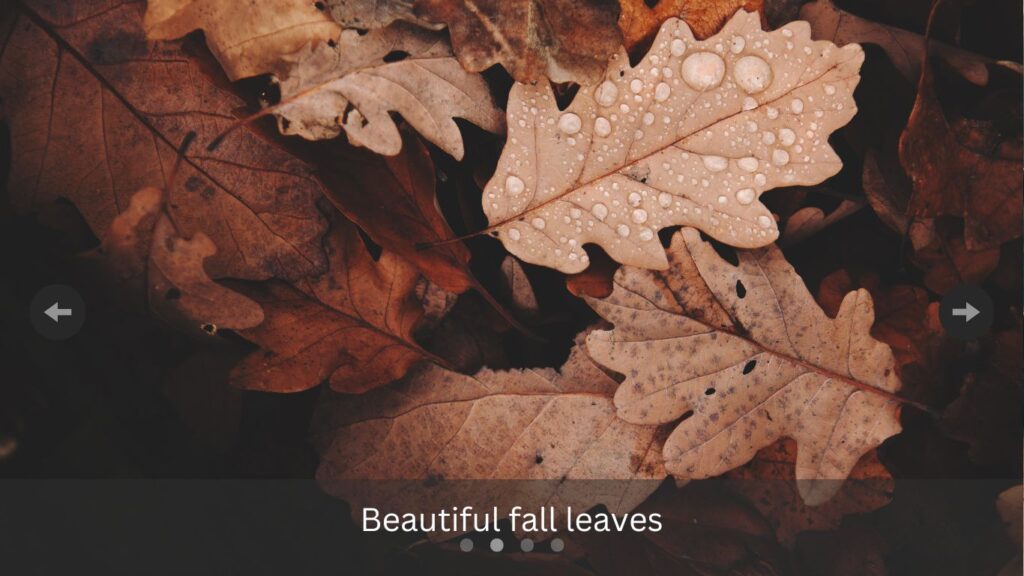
541 269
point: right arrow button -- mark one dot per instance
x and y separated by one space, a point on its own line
966 312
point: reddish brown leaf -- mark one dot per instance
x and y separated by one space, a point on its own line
393 200
96 113
351 327
564 40
961 169
639 21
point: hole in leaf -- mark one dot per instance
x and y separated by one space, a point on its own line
320 6
709 392
651 3
749 366
210 329
741 290
539 459
396 56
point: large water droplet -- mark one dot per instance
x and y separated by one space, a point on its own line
623 230
764 221
749 163
745 196
639 216
715 163
602 127
703 70
678 47
606 93
538 223
780 157
648 119
514 185
787 136
796 105
600 211
760 179
752 74
634 199
646 234
664 199
661 92
737 45
569 123
636 85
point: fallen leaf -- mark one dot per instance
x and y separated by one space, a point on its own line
351 327
904 317
355 84
423 443
518 287
247 39
373 14
393 199
639 21
810 220
596 280
100 117
905 49
692 135
144 253
745 357
889 200
767 484
960 170
564 40
948 262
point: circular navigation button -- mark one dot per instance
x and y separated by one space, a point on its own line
57 312
966 312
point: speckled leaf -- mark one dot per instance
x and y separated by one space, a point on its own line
744 356
246 37
435 429
355 84
692 135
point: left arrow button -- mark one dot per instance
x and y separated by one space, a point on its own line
57 312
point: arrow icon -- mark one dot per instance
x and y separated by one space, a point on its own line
55 312
968 312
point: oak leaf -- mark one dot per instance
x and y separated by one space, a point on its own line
962 169
563 40
351 327
355 84
133 102
904 48
691 135
144 254
745 357
248 38
639 22
539 436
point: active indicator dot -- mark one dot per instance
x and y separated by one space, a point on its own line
466 545
497 545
